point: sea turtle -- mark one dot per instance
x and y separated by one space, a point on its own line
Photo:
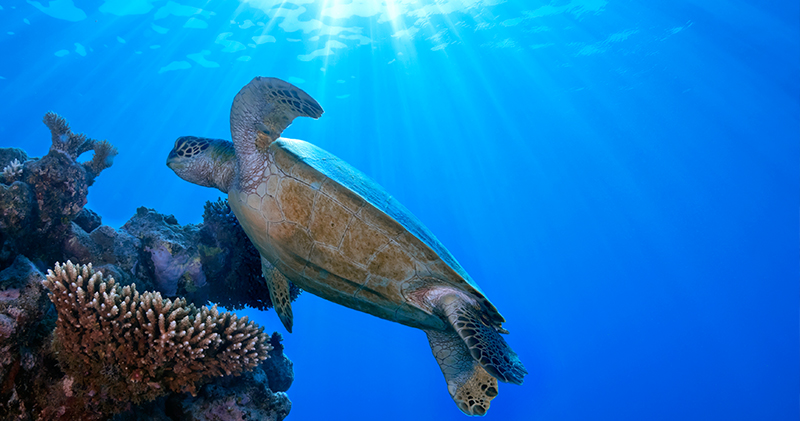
328 228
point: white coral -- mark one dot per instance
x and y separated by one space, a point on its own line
13 170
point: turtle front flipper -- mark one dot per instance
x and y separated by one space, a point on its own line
278 287
470 386
263 109
485 344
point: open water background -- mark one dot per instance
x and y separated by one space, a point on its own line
621 178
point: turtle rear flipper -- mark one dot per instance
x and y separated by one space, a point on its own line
470 386
484 342
278 287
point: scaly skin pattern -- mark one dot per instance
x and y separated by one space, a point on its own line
334 244
470 386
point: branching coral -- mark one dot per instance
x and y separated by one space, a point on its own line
74 145
103 158
62 137
12 172
128 346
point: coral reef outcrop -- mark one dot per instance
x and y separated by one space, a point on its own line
115 252
16 202
278 367
96 365
234 400
40 197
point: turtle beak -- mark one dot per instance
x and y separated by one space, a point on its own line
171 159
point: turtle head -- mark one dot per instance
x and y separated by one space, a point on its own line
203 161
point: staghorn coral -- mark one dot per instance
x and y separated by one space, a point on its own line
231 262
62 137
258 395
122 346
103 158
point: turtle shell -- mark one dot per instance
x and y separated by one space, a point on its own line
374 206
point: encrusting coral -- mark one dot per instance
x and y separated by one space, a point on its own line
123 346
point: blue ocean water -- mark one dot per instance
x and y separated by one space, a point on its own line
621 178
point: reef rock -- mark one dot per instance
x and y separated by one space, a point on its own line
88 220
26 323
16 202
9 155
238 399
278 367
172 254
115 253
231 261
40 197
